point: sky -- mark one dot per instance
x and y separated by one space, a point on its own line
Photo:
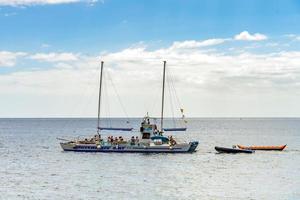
224 58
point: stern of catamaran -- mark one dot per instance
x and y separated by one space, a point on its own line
193 146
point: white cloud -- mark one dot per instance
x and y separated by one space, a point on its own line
206 82
245 35
290 35
54 57
8 59
195 68
63 66
293 36
39 2
189 44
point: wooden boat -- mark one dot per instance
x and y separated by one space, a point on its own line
232 150
263 148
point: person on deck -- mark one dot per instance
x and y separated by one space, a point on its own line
97 138
116 140
172 141
132 142
137 139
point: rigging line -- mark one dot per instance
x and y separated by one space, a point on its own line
107 101
176 103
118 96
104 104
170 99
174 88
177 98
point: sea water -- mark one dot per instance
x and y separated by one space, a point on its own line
33 165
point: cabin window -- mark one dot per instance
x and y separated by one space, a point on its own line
146 136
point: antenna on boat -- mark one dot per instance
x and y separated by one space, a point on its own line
99 100
163 97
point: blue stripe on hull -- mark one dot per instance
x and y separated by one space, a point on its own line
133 149
122 151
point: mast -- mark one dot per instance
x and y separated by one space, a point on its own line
163 97
99 99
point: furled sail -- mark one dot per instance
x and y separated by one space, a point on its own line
174 129
115 129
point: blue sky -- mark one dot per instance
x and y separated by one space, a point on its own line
224 54
116 24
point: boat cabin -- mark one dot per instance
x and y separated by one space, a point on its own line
148 129
150 132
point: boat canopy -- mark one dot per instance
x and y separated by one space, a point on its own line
160 137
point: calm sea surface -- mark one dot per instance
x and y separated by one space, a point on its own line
33 166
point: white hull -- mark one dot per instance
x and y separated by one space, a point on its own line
178 148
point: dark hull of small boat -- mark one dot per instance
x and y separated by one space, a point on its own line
231 150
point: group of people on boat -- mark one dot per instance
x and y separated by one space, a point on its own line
115 140
134 141
95 139
120 140
146 121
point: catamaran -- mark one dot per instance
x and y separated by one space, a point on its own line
152 139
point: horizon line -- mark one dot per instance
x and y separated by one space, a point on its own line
203 117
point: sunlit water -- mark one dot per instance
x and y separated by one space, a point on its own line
33 166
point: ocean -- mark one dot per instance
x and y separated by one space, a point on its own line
33 165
